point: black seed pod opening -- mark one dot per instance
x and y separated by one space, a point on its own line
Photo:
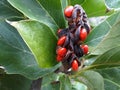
76 22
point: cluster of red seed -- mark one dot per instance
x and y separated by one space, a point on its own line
70 46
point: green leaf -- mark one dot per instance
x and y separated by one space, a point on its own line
50 82
7 11
40 40
113 3
92 79
100 31
95 8
15 57
55 9
35 10
90 59
65 83
111 58
14 82
98 34
111 78
111 39
77 85
73 2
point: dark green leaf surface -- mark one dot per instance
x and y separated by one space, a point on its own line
65 83
111 78
95 7
92 79
113 3
15 57
77 85
98 35
35 11
54 86
111 58
99 32
111 40
14 82
73 2
7 11
55 9
40 40
49 82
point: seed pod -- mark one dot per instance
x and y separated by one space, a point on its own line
66 59
69 49
67 41
62 32
72 26
87 27
68 55
77 33
73 56
74 14
78 51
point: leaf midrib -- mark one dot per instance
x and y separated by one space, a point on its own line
105 64
112 82
47 12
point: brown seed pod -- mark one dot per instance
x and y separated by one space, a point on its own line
71 38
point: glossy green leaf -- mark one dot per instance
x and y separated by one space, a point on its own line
73 2
95 7
90 59
92 79
40 40
111 39
14 82
113 3
7 11
111 78
50 82
77 85
55 9
111 58
15 57
35 10
53 86
65 83
100 31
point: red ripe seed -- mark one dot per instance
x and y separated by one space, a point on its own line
61 41
85 48
59 58
61 52
75 65
68 11
83 34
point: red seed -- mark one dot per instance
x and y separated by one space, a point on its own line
85 48
59 58
83 34
68 11
75 65
61 52
61 41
